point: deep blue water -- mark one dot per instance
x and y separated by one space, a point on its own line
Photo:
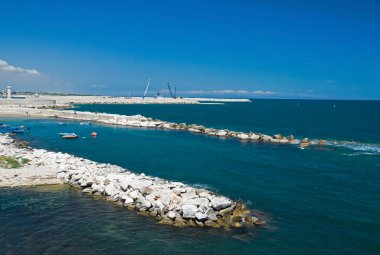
316 201
342 120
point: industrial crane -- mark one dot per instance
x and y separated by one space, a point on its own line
171 93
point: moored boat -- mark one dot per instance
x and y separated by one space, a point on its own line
18 131
11 128
62 134
70 136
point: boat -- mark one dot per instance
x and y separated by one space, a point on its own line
84 123
9 128
62 134
70 136
18 131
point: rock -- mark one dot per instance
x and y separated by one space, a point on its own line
124 182
182 126
166 221
278 136
143 204
191 223
199 223
243 136
237 224
161 210
256 221
100 179
110 190
61 175
171 215
221 133
197 201
139 184
84 182
265 138
179 191
87 190
200 216
127 200
135 194
98 188
212 217
189 194
227 210
254 137
219 203
189 211
179 222
146 190
153 212
290 137
213 224
76 177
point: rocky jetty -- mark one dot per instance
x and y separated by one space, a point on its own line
172 203
145 122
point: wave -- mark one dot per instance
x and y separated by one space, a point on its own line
360 148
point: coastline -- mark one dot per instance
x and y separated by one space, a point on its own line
70 100
171 203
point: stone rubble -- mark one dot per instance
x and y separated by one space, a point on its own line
141 121
144 122
172 203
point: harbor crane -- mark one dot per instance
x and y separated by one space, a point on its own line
172 95
146 89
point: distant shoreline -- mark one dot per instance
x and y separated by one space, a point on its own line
70 100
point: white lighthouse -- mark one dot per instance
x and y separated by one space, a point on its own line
9 92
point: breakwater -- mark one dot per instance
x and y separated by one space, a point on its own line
171 203
146 122
70 100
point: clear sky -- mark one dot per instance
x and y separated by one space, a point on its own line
269 48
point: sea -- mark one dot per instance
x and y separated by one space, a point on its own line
318 200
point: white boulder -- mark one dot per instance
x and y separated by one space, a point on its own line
219 203
189 211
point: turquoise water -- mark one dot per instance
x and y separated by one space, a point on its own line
316 201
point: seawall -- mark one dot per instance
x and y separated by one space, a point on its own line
171 203
141 121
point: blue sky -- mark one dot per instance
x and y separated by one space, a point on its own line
259 49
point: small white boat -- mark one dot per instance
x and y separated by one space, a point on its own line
62 134
70 136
